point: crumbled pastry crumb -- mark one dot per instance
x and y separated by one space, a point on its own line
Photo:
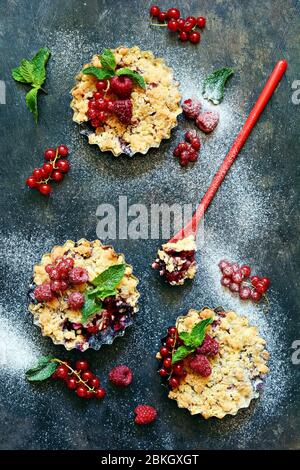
176 261
55 318
237 369
155 109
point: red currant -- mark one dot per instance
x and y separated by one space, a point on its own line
163 372
154 10
162 17
195 143
237 277
30 182
45 189
87 375
180 23
256 296
173 382
173 13
191 19
54 274
37 174
194 37
63 150
225 281
178 369
82 365
222 264
110 106
57 176
62 372
94 382
170 342
55 286
81 391
97 95
261 287
164 352
72 383
167 363
227 271
172 25
245 293
47 168
172 330
235 267
255 280
50 154
63 165
183 36
234 287
188 26
201 21
265 281
102 116
246 270
100 393
102 85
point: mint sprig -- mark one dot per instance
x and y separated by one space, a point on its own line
33 72
214 84
109 69
191 340
44 369
105 286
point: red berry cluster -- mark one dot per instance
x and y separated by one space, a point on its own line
62 275
80 379
237 279
53 170
102 104
173 373
188 151
206 121
186 28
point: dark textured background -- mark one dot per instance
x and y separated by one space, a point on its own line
251 36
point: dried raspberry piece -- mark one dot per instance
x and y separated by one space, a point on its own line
208 121
201 365
121 376
191 108
43 293
145 414
78 276
75 300
123 110
209 347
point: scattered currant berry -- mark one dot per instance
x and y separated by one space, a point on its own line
207 121
201 22
121 376
63 150
173 13
50 154
154 10
82 365
75 300
145 414
194 37
45 189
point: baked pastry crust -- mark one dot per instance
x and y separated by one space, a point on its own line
237 369
63 324
155 109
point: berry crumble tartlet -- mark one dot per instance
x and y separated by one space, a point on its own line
126 101
83 295
176 261
213 362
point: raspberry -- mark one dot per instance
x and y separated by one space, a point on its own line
75 300
121 376
123 110
121 86
191 108
190 135
201 365
145 414
43 293
78 276
208 121
209 347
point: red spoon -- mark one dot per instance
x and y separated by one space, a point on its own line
191 227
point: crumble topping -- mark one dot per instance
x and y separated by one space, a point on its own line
62 323
155 109
237 370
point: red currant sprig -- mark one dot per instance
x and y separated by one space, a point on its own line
186 28
53 169
80 379
188 151
237 279
173 373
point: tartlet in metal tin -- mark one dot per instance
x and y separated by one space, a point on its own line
62 323
155 109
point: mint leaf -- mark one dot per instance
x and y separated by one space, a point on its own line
44 368
108 60
24 73
186 338
110 278
197 334
90 307
134 75
214 84
39 65
101 293
181 353
31 102
101 74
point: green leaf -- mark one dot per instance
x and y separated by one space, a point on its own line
110 278
181 353
214 84
90 307
31 102
186 338
197 334
108 60
44 368
100 293
101 74
134 75
39 64
24 73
